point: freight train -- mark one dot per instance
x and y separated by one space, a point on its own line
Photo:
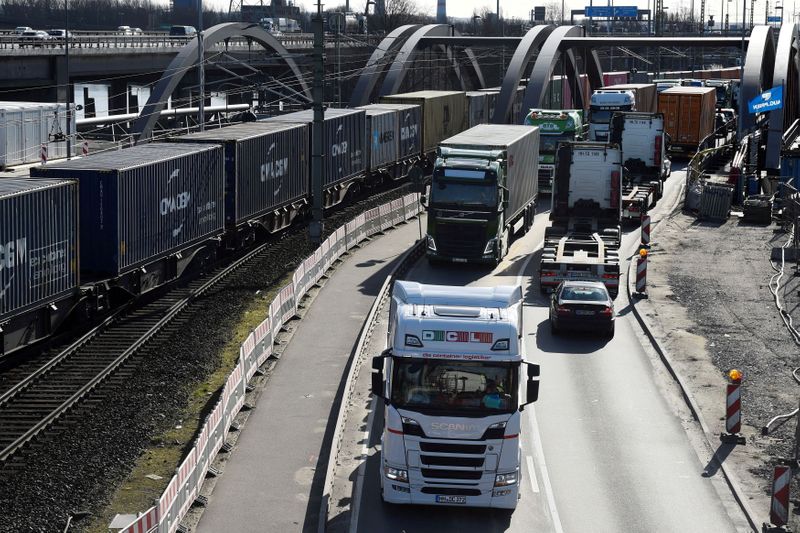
78 237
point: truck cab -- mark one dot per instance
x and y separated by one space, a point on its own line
555 126
454 381
602 105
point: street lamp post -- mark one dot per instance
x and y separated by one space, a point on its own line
201 71
69 87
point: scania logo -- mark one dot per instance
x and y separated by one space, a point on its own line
450 426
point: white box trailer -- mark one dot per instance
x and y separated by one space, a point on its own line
456 381
26 126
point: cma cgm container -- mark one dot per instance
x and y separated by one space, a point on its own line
409 124
383 136
689 114
26 126
444 114
478 111
143 203
38 257
345 133
266 167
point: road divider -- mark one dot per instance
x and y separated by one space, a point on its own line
184 487
779 506
733 409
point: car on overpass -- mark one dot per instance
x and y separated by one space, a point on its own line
582 306
34 38
19 30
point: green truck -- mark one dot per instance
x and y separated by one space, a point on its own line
555 126
483 193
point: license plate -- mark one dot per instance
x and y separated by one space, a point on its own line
583 312
459 260
579 275
451 499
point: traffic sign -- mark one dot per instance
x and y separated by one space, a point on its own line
774 19
597 11
609 11
626 11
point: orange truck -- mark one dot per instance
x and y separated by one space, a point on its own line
689 114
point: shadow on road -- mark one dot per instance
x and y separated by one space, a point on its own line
711 469
568 343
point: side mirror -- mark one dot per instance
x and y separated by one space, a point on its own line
377 376
504 204
423 201
532 385
416 176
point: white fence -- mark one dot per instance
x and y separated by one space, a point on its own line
184 487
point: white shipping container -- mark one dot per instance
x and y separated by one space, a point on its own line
26 126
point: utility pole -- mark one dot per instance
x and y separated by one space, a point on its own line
339 17
69 86
317 130
742 105
201 71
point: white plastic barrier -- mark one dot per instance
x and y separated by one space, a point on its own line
184 487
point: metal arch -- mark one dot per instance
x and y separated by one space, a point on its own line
786 75
529 46
758 66
546 62
377 64
405 57
187 57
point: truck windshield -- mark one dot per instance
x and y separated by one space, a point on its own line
604 115
462 193
549 143
454 386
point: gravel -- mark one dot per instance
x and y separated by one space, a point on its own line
82 469
711 282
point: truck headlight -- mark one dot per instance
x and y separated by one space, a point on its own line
431 244
504 480
489 246
396 474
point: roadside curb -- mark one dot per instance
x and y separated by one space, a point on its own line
730 478
354 367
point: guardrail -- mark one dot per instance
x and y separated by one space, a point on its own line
184 487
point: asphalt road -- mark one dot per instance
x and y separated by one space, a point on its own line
604 449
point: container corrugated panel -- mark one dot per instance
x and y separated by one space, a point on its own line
38 242
266 166
345 134
409 127
444 112
143 203
382 136
478 111
25 126
790 169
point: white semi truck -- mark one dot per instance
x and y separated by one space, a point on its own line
603 103
456 381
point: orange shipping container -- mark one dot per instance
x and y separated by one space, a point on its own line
688 114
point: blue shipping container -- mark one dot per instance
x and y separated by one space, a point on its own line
141 204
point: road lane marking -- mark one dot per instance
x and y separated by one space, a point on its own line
537 440
355 508
532 474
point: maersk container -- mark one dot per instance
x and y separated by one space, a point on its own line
409 127
144 203
26 126
345 134
444 112
38 243
382 136
266 166
478 110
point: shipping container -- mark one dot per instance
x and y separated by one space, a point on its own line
409 128
444 112
516 108
383 136
38 243
26 126
615 78
345 135
478 110
143 203
491 102
645 95
266 166
689 114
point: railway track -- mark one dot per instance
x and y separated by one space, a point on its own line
37 396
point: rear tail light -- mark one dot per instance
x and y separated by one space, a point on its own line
547 274
610 276
561 310
657 151
606 312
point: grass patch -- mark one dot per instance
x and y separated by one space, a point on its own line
138 492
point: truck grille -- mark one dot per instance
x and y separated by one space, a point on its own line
444 447
451 491
452 474
453 460
460 240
